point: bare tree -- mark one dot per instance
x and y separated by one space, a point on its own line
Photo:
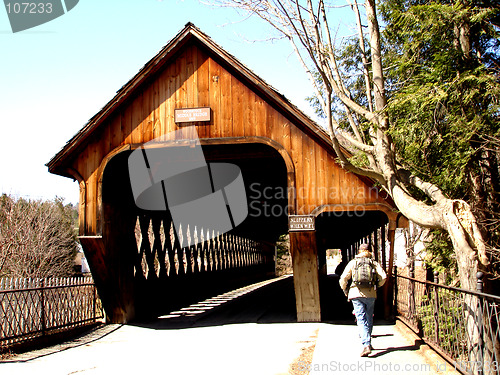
412 235
305 24
37 239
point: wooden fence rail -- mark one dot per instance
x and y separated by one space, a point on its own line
34 308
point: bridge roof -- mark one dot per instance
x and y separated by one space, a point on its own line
189 34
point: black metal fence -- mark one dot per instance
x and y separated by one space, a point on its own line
461 325
34 308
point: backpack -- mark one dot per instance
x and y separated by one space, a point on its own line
364 273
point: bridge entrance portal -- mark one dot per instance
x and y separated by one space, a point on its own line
140 265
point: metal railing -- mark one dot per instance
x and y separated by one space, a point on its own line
462 325
34 308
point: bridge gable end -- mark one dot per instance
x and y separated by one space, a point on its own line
194 72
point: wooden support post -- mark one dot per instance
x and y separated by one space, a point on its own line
388 289
115 290
305 275
382 243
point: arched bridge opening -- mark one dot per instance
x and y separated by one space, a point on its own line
341 231
153 268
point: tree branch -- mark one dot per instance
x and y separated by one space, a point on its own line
430 189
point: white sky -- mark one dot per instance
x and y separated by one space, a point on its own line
55 77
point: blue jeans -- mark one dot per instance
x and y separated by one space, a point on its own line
363 309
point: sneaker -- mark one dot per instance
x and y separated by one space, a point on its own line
366 351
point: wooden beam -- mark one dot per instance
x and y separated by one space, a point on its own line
116 302
305 276
82 203
382 243
388 289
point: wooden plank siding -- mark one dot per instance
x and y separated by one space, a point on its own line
192 71
196 79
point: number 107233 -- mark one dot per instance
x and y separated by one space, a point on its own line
28 8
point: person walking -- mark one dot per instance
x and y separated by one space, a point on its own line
366 276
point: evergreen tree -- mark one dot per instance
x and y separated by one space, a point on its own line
444 90
358 93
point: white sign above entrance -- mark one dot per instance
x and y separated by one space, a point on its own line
192 114
300 223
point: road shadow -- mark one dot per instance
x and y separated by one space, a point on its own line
268 302
392 349
384 335
272 301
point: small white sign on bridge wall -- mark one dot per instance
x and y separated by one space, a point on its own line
301 223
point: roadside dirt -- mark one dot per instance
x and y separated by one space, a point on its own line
303 362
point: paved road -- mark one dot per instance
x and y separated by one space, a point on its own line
248 331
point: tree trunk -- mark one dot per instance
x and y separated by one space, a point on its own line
454 216
309 34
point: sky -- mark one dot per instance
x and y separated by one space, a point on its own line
56 76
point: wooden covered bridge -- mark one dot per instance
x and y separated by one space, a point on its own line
142 265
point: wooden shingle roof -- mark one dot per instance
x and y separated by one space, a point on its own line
190 34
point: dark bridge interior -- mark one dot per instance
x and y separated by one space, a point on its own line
167 272
265 177
344 231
